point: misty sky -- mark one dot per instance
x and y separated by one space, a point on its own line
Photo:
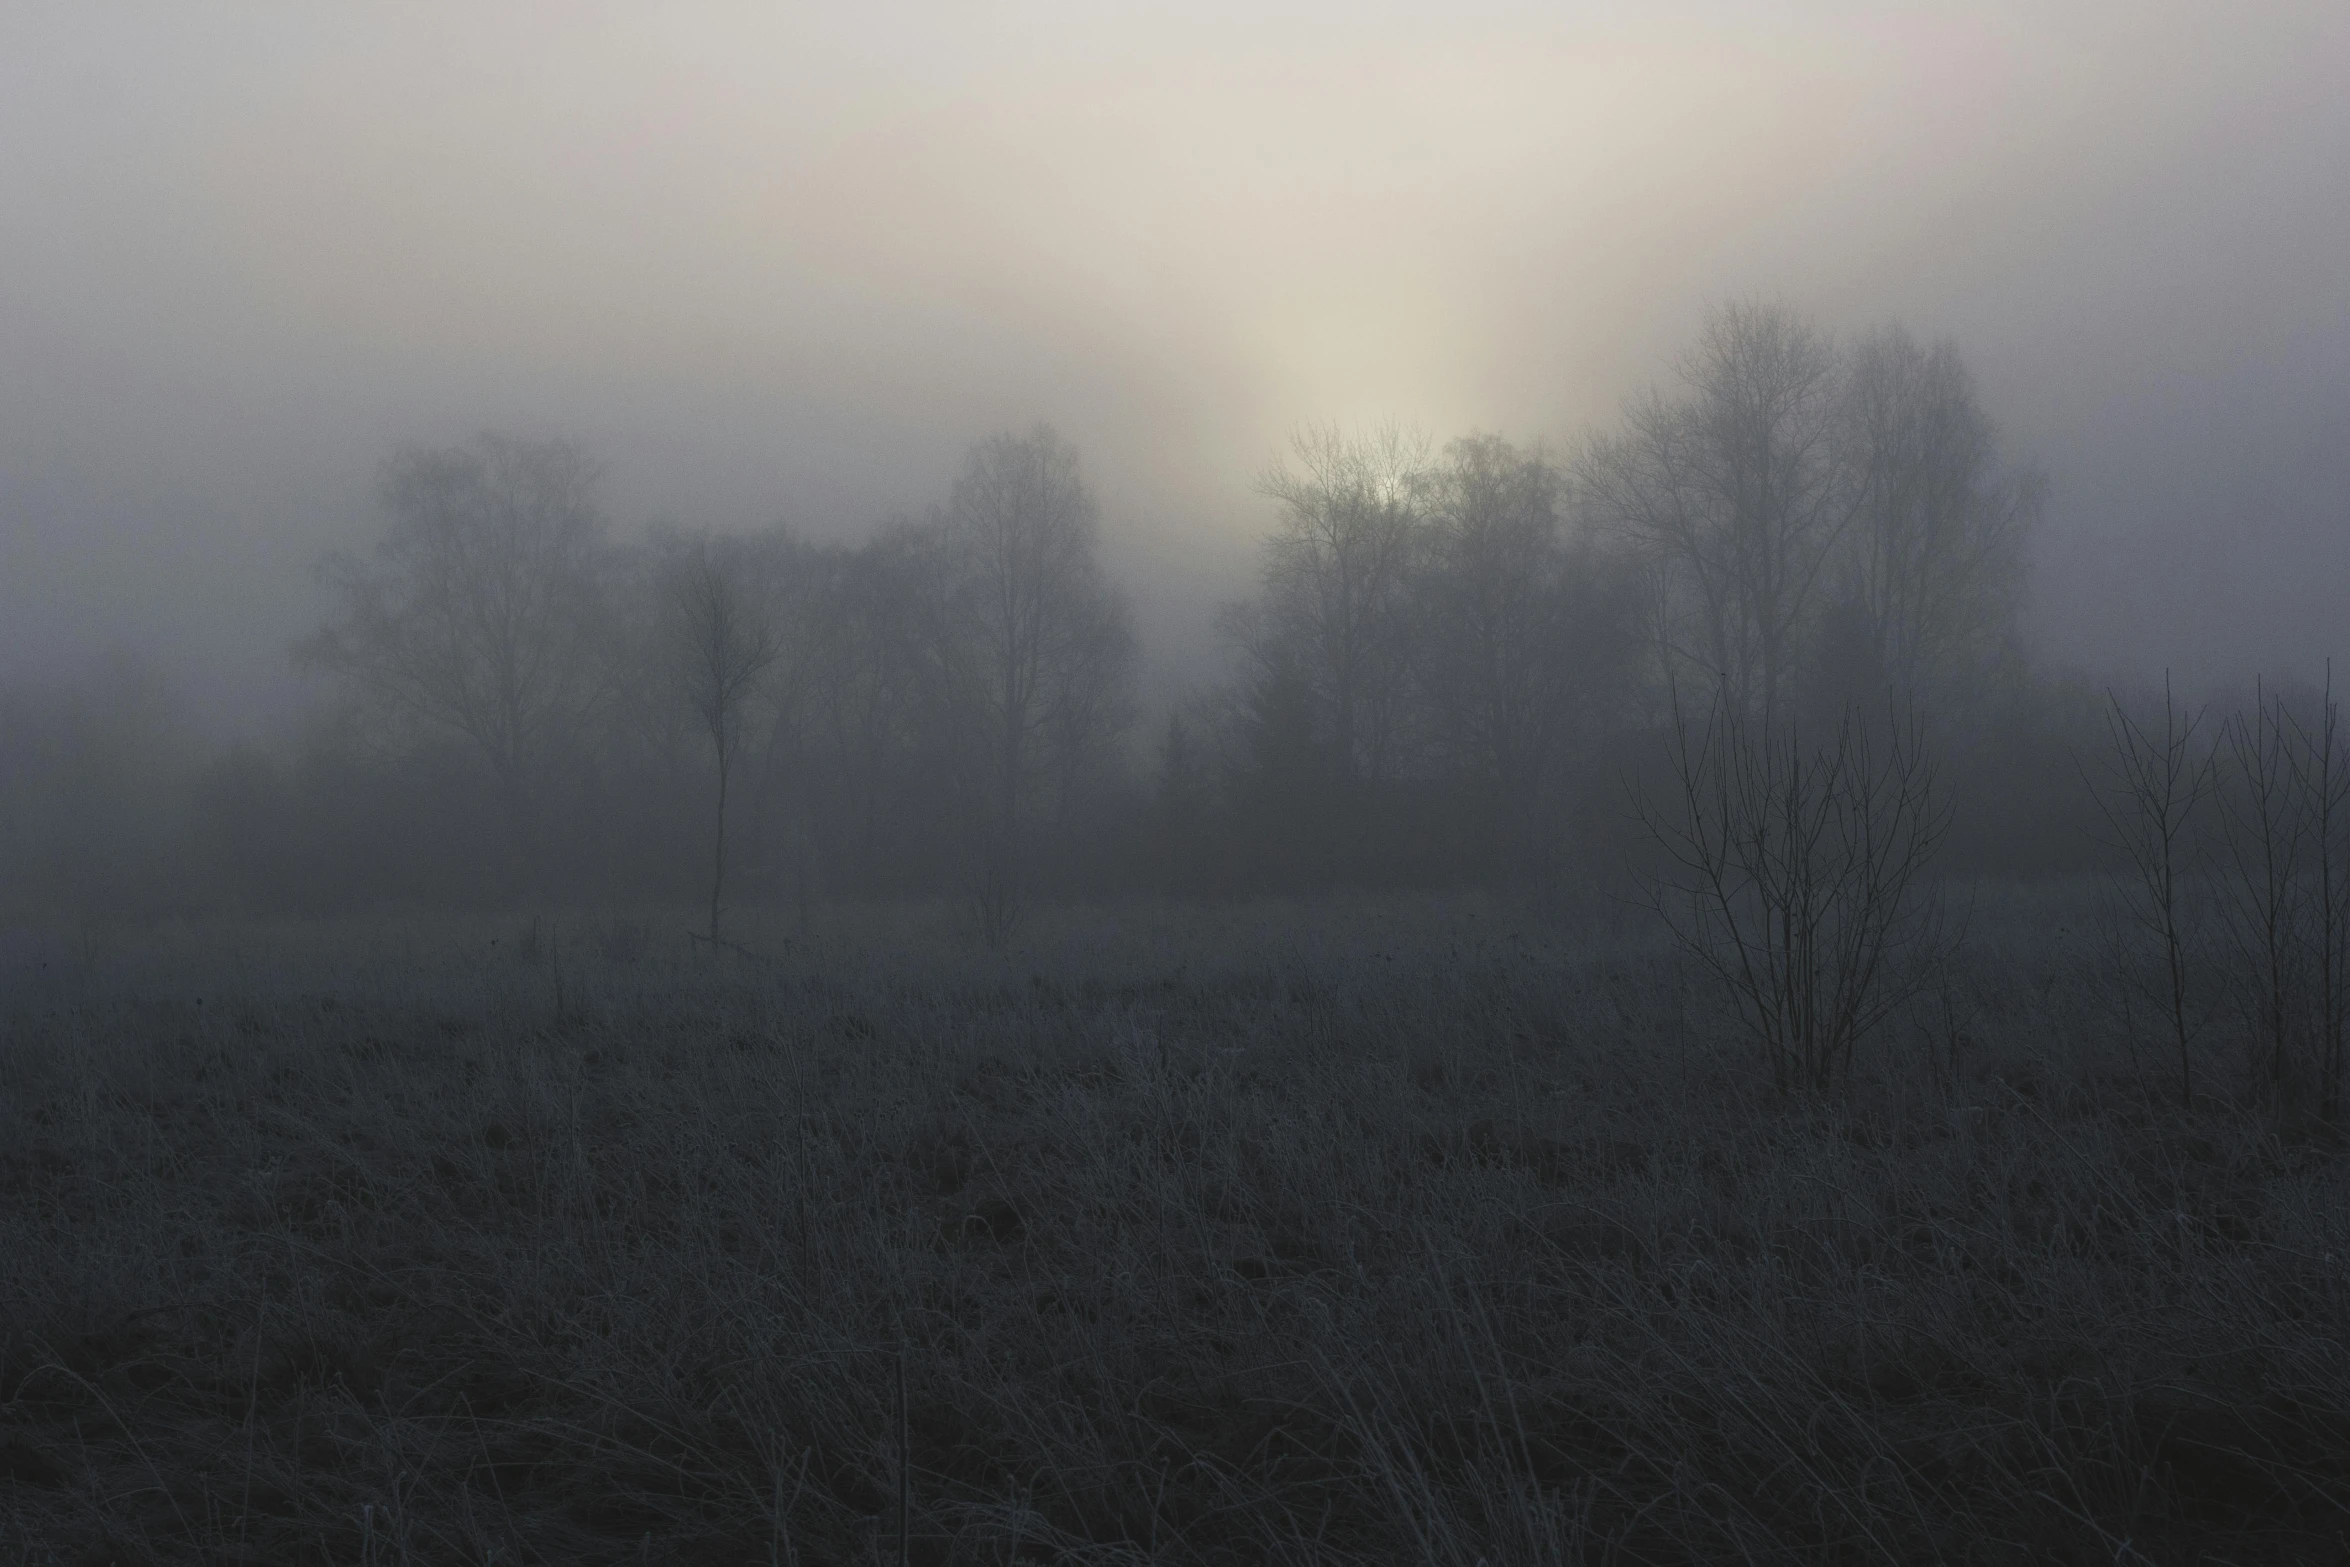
774 260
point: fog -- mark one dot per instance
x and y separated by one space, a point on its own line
1534 781
763 268
791 265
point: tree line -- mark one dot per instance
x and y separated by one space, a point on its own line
1454 658
904 714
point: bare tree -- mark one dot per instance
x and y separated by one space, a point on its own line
1336 575
1795 870
480 612
2163 779
2283 783
1488 634
1735 492
1936 555
722 622
1042 646
2265 831
867 700
1519 630
2321 776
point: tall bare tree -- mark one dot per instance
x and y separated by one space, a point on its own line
1336 575
1519 628
1489 634
1936 556
1735 491
722 618
1044 644
871 700
480 611
2162 778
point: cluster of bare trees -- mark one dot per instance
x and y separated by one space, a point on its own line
1431 639
1453 657
1814 514
1779 599
1795 526
1813 540
1832 553
481 614
972 668
2236 841
1039 648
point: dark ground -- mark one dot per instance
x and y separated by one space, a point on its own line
1397 1232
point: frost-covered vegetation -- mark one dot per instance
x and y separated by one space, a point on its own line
1409 1231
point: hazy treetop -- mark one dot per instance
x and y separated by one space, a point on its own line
761 258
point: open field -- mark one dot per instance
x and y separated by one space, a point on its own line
1415 1231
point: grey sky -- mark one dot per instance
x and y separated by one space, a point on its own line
770 259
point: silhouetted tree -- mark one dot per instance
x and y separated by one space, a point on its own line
1520 633
1934 564
2163 778
481 611
872 712
1794 872
1735 490
722 618
1336 576
1427 648
1042 644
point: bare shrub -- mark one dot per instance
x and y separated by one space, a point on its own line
1793 876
